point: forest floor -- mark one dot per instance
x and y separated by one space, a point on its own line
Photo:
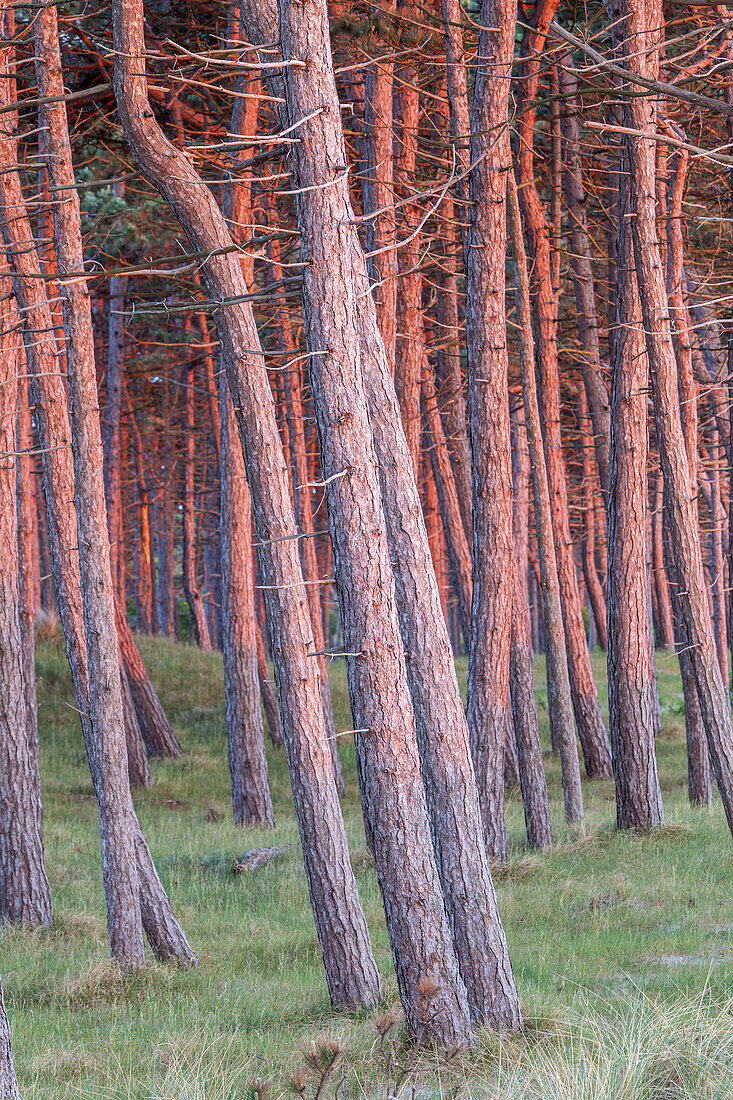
622 945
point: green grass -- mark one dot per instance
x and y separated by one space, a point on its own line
622 945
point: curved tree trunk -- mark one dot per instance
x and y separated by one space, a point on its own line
352 976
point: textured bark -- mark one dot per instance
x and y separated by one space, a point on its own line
27 552
459 551
441 727
24 891
378 190
488 418
117 817
664 622
679 488
112 417
409 331
582 269
54 435
154 726
558 680
302 482
165 594
524 707
593 737
631 683
138 768
245 734
456 70
144 563
387 753
8 1082
350 969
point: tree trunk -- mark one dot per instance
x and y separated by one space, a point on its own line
8 1083
54 435
631 683
593 738
154 725
351 972
138 768
112 417
558 680
488 418
199 627
665 622
269 701
24 892
593 585
581 267
679 489
27 553
388 759
524 707
440 727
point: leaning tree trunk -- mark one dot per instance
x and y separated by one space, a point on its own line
440 720
631 681
488 418
592 733
639 20
161 927
8 1082
389 765
24 891
558 680
352 975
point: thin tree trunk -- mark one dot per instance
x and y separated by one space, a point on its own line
8 1082
521 683
351 972
24 892
199 628
112 417
558 680
267 695
581 267
660 581
245 734
593 585
639 21
592 733
154 725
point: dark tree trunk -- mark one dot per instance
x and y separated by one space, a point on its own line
664 626
112 417
593 585
154 725
199 627
351 972
267 694
138 768
27 553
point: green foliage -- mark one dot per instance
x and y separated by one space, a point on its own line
622 945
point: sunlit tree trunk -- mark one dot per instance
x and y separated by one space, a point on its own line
593 737
639 24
